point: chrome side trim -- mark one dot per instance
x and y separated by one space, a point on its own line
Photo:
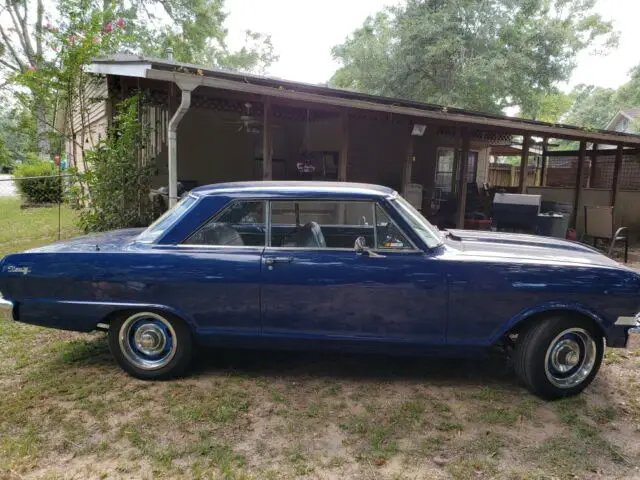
628 321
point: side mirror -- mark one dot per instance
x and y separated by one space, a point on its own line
360 246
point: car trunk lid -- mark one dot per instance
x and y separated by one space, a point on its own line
114 240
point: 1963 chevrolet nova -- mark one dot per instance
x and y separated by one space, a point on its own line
332 265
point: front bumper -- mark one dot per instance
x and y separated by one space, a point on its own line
6 307
624 328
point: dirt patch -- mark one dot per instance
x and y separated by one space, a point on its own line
69 412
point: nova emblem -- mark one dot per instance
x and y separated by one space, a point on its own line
22 270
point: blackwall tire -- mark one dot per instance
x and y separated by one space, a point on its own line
558 356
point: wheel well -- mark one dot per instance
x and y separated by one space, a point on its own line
105 322
522 325
110 317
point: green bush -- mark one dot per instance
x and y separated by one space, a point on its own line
39 190
118 180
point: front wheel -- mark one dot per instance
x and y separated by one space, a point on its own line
559 356
150 345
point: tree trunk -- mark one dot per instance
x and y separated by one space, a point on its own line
43 132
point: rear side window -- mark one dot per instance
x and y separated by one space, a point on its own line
240 224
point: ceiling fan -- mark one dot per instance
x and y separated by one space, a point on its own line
247 122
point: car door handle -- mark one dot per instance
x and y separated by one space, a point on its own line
272 260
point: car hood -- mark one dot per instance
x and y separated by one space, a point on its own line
114 240
530 248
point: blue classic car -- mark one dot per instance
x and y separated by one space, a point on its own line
329 265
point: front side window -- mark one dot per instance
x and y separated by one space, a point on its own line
429 234
388 235
320 224
334 225
242 223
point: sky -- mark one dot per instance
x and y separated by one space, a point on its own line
303 32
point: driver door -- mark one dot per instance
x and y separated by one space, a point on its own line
320 288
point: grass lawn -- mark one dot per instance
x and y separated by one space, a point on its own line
21 229
67 411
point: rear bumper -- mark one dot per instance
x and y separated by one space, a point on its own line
6 307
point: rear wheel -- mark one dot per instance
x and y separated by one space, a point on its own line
558 356
150 345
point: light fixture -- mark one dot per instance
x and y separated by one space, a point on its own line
418 130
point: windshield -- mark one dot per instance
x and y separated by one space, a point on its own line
168 218
427 232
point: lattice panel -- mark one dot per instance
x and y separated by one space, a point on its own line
629 172
491 138
562 171
225 105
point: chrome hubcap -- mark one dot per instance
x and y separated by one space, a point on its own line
570 358
148 340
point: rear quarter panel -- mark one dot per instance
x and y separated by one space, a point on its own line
76 291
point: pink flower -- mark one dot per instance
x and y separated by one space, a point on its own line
120 22
108 27
31 68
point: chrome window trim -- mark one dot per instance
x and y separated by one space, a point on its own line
314 249
267 220
210 247
375 225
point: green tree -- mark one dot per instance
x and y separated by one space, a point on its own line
42 42
548 107
17 131
5 156
628 95
593 107
477 54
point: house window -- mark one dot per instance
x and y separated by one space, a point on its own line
445 166
444 169
472 167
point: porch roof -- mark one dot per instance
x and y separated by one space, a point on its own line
188 76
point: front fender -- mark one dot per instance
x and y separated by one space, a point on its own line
559 307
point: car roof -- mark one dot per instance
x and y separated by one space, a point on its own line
295 188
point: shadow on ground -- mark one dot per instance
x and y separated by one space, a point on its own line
282 364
